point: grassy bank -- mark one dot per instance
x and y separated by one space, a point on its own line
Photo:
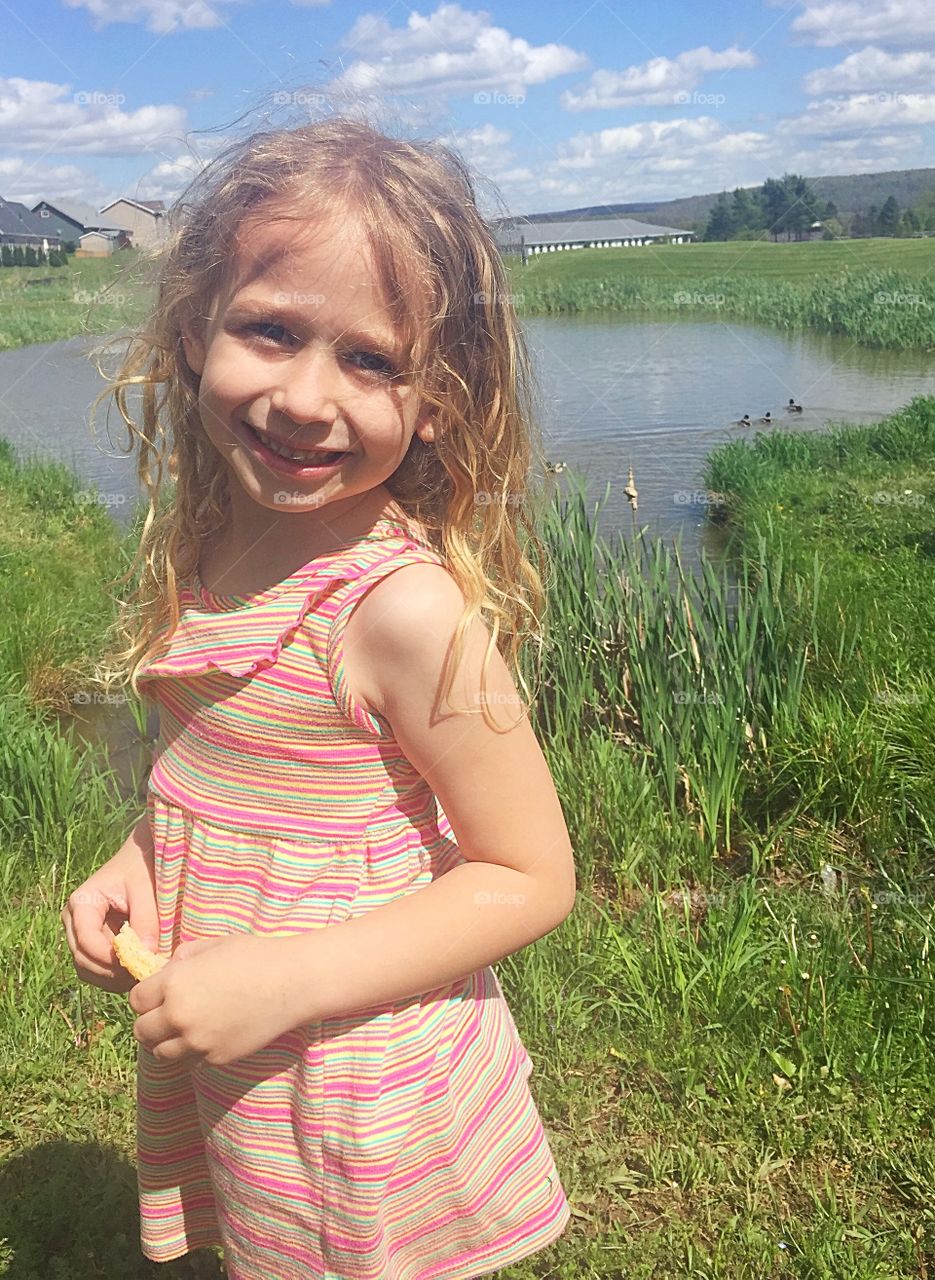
89 296
880 292
731 1033
877 292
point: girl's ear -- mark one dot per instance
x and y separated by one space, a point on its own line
194 348
424 428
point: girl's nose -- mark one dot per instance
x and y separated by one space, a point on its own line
307 389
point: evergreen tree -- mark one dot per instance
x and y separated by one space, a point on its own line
773 203
743 212
720 224
799 208
889 218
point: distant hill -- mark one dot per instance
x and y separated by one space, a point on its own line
851 193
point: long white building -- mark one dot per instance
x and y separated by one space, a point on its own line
528 237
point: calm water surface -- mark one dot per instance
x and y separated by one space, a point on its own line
652 394
658 395
655 395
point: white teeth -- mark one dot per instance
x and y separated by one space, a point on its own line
315 455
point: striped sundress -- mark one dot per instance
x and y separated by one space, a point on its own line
400 1142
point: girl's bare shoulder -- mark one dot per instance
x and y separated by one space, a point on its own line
424 595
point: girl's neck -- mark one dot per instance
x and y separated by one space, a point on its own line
248 555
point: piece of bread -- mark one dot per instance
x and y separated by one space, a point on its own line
134 957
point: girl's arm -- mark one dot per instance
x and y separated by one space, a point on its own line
518 882
219 999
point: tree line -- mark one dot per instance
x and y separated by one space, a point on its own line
787 208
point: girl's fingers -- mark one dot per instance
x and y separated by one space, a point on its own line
90 911
174 1050
110 977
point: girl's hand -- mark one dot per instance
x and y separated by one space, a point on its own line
122 889
218 999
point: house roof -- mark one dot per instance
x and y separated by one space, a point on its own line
585 229
151 206
77 210
17 220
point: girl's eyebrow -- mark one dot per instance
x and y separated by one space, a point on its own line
296 317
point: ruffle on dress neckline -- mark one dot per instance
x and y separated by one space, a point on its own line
241 641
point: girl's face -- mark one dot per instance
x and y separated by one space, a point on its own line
300 346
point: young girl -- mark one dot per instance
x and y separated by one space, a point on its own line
335 849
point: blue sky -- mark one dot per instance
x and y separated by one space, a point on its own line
556 106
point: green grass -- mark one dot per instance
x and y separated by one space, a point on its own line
880 293
57 543
828 286
89 296
732 1051
790 262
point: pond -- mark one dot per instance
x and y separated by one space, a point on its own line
659 395
652 394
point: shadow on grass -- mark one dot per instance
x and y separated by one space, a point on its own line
69 1211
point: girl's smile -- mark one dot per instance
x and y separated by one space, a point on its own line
302 379
282 457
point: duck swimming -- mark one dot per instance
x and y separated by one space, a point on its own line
554 467
742 422
792 407
766 417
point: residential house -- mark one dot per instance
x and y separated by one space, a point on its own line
144 220
20 226
71 219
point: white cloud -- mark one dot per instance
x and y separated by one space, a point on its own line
873 68
871 154
30 182
484 136
38 115
897 23
491 159
658 82
651 160
450 51
651 140
161 16
165 16
168 179
860 113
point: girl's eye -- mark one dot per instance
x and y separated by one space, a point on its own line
373 362
266 329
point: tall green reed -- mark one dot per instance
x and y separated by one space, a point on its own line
680 676
883 309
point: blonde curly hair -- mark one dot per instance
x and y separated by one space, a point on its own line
470 491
